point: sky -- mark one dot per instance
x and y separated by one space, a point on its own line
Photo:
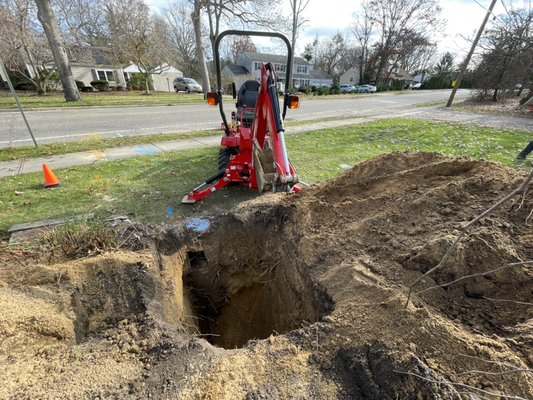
463 17
326 18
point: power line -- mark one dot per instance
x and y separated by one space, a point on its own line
505 7
489 10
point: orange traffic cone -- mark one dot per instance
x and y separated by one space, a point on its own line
50 179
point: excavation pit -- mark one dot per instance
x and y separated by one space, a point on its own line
248 300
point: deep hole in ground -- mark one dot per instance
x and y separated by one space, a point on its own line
241 282
248 300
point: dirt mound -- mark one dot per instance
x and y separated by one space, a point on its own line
294 297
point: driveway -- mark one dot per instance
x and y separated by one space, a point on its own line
67 124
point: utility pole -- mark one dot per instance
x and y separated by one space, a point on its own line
469 56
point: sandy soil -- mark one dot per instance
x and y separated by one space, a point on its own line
293 297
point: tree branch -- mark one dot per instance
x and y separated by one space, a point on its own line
516 264
465 229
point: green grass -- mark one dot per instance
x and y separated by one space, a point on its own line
30 100
145 187
95 142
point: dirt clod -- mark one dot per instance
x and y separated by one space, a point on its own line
298 296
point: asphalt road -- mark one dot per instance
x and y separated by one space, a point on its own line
67 124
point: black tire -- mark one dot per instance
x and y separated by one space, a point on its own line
187 90
224 155
176 89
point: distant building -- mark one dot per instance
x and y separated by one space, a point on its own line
350 77
248 66
162 77
94 63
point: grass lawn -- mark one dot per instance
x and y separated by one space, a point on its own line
31 100
150 188
95 142
100 99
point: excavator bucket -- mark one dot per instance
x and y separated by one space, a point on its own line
265 169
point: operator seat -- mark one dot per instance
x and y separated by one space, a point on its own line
247 98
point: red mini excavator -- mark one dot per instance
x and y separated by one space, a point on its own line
253 146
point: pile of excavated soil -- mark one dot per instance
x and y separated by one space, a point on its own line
294 297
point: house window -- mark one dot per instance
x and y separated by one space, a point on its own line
104 75
257 66
280 67
301 69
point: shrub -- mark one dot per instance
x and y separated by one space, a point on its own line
20 81
81 86
397 84
382 87
101 86
322 91
436 82
304 89
54 81
137 82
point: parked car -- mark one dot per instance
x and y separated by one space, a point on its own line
187 85
366 89
346 88
416 86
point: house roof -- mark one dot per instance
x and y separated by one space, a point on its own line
401 73
237 69
93 55
318 74
274 58
301 76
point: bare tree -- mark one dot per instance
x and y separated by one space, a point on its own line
237 45
200 54
298 20
508 53
181 35
138 37
83 22
362 29
24 46
420 60
47 19
246 13
400 26
332 53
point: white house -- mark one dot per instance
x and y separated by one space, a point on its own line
162 77
96 63
248 66
350 77
320 78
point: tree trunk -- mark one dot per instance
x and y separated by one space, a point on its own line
146 83
293 40
51 28
200 47
495 95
